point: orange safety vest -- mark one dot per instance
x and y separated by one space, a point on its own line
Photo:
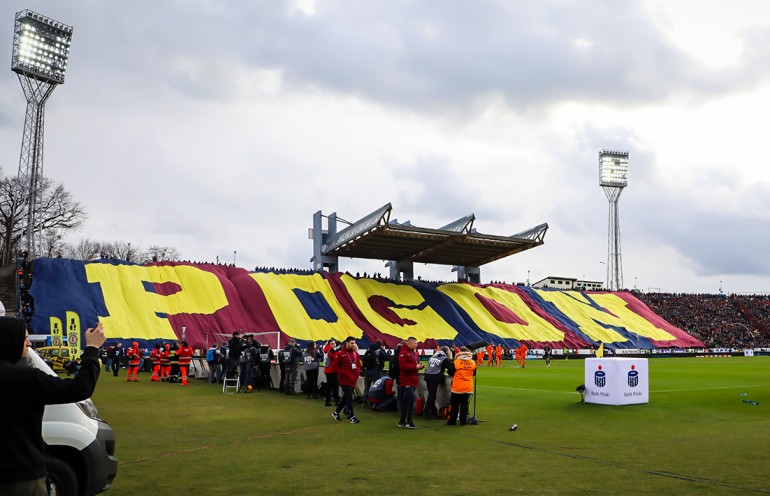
185 355
165 358
134 356
155 356
462 381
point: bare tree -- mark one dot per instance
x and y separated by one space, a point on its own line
160 253
86 249
59 214
11 217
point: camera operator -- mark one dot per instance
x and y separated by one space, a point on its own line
246 360
266 357
234 354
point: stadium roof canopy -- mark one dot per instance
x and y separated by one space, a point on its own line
376 237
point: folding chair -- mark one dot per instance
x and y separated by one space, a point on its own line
231 383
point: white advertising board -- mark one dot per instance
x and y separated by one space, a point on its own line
617 381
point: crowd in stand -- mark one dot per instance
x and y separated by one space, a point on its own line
720 321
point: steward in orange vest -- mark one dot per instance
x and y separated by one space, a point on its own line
462 387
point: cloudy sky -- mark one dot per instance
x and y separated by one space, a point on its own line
222 126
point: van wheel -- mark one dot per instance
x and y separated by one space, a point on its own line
63 480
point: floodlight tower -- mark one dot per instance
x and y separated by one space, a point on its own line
613 177
41 47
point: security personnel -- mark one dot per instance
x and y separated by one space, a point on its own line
134 355
462 387
185 354
165 362
155 357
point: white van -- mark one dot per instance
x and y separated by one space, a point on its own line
82 446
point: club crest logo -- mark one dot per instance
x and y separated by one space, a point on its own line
633 377
600 378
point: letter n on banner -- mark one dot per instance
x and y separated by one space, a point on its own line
57 336
73 334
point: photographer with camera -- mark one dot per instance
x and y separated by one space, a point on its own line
247 360
291 355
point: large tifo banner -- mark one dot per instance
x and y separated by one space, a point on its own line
157 301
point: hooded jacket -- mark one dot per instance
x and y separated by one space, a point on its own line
465 369
25 391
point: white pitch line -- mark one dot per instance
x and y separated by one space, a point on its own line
651 392
527 389
707 389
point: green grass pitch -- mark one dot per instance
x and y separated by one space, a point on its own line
696 436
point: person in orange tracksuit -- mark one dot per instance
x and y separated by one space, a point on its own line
155 357
165 362
480 358
490 355
521 352
134 355
185 354
499 355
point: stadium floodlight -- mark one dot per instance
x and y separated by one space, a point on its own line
41 49
613 177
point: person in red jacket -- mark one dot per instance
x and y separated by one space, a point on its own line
134 355
347 364
332 386
155 357
408 379
165 362
185 354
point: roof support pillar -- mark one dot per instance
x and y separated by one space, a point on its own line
321 261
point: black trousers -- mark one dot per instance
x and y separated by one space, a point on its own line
459 405
347 401
430 403
312 382
407 395
332 388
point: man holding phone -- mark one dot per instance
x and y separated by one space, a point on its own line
27 391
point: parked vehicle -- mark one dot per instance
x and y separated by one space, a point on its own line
59 356
82 446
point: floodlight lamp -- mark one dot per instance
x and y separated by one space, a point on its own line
613 169
40 47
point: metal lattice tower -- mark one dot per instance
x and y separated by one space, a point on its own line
613 177
40 51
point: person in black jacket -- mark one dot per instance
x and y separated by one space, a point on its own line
118 357
25 391
440 362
